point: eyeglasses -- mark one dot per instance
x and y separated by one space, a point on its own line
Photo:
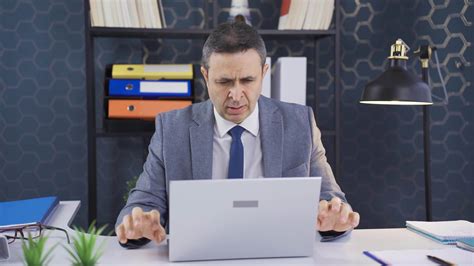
33 231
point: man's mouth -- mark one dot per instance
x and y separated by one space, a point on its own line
235 110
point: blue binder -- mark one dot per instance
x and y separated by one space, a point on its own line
15 214
151 88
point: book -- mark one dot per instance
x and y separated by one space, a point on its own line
133 13
301 11
467 244
162 14
318 15
148 88
329 14
285 8
445 232
19 213
311 15
155 72
127 13
289 80
108 13
142 109
156 14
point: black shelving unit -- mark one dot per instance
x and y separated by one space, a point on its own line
92 33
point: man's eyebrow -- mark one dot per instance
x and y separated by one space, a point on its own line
224 78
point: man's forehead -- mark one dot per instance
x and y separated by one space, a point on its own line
250 55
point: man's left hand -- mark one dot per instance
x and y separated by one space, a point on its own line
336 216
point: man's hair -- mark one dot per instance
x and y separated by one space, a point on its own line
232 38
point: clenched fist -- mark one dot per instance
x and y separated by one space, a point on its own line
141 224
336 216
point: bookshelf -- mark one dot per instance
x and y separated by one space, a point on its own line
199 33
145 129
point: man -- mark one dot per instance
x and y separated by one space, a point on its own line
235 134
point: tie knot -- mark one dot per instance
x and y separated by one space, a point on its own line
236 132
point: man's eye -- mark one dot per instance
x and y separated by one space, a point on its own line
223 82
247 80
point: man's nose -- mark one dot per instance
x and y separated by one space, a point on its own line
235 92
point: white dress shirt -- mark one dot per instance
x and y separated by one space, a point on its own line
253 163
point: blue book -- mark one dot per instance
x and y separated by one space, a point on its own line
15 214
150 88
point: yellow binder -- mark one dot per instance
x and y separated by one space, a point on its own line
149 71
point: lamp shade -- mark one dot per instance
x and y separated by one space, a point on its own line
397 86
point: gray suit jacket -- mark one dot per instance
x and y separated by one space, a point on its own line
181 148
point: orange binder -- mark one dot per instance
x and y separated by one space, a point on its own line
143 109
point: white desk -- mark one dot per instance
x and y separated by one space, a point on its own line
343 251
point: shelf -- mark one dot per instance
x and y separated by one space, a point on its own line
198 33
148 33
133 97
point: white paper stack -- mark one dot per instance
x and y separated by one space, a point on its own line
289 80
306 14
127 13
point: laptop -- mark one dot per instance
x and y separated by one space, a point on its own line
241 219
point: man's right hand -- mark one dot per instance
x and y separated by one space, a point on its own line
141 224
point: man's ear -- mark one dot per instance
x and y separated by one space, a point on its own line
205 74
265 69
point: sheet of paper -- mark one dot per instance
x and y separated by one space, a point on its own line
419 256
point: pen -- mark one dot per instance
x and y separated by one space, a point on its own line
440 261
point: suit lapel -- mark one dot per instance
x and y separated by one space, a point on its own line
201 134
271 127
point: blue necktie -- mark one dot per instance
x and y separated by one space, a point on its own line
236 161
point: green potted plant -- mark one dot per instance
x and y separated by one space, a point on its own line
84 250
34 251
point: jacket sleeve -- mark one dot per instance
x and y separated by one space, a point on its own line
150 191
320 167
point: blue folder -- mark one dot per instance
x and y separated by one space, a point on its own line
15 214
151 88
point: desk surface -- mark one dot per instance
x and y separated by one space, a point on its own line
342 251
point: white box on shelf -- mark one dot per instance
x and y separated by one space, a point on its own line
289 80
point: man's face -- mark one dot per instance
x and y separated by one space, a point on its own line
234 83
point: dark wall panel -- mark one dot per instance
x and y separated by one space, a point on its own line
43 147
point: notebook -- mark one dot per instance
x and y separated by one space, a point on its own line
15 214
467 244
445 232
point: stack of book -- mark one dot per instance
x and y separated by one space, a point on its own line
444 232
127 13
141 92
306 14
20 213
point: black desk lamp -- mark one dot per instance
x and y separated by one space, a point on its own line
398 86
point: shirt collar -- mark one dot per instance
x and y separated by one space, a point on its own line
251 123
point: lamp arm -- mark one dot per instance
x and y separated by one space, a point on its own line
446 99
424 53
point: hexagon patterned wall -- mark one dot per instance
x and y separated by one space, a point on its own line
43 148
